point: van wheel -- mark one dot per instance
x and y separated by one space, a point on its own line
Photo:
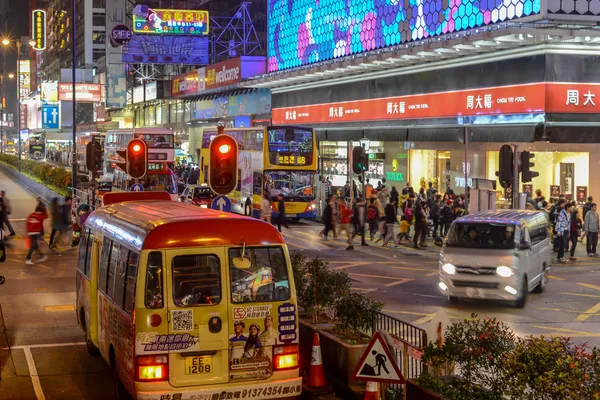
121 392
522 299
91 348
541 286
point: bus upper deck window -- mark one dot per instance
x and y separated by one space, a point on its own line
154 281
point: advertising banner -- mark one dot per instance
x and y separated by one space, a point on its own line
85 92
50 116
185 84
38 29
24 78
138 94
573 98
166 50
224 73
23 117
49 92
174 22
116 74
151 91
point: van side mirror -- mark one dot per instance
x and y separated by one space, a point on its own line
525 246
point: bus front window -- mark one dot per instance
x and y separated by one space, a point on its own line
164 182
291 184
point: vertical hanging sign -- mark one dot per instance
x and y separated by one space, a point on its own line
38 29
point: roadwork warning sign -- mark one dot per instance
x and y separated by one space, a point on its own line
377 363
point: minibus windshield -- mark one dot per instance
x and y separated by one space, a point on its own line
481 236
266 279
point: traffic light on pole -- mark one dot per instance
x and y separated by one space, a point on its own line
137 158
526 165
94 157
223 164
360 160
505 172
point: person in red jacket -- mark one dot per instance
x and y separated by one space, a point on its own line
35 229
345 214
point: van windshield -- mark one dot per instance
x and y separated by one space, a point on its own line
481 236
266 279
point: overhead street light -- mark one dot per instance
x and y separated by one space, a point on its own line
11 75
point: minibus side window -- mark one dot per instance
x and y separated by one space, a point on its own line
196 280
131 279
120 278
82 251
266 279
154 281
104 264
88 254
112 270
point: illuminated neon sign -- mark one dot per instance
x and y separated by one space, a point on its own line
38 29
173 22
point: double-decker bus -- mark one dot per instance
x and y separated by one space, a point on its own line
37 146
160 141
158 178
275 160
82 141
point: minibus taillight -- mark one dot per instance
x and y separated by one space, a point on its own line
152 368
154 320
285 357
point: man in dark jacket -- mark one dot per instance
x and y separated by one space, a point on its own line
360 217
281 210
435 213
587 206
328 218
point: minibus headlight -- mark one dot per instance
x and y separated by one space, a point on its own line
504 271
449 269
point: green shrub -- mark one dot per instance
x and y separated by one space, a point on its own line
355 313
55 178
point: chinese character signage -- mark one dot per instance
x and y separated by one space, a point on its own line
24 78
303 32
38 29
185 84
49 92
85 92
143 49
522 99
174 22
23 117
573 98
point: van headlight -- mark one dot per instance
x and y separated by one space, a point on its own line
504 271
449 269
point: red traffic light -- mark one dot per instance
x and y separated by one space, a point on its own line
224 148
223 165
137 158
136 148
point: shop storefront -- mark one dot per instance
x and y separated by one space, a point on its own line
418 123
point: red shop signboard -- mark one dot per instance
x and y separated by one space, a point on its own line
185 84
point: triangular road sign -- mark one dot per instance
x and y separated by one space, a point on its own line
377 363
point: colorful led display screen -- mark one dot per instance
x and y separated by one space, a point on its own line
307 31
174 22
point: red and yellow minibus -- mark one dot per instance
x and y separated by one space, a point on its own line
188 303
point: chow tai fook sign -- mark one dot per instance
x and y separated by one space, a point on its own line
85 92
38 29
535 98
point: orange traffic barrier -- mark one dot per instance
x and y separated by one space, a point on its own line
316 377
372 392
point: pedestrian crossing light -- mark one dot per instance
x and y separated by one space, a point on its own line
137 158
223 164
526 165
505 170
360 160
94 157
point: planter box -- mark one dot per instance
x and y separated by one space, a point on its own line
416 392
36 188
339 359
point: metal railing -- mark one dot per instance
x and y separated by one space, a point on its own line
406 345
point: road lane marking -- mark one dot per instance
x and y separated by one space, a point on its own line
571 332
351 264
43 345
581 295
588 285
424 319
306 242
35 379
405 312
398 282
548 309
585 315
363 290
374 276
66 307
556 278
433 273
412 268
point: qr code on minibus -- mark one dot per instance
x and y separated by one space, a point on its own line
182 320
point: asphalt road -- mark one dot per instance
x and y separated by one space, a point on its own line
42 355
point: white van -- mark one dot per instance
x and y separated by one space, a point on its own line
498 255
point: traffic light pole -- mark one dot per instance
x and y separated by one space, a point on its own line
515 186
350 170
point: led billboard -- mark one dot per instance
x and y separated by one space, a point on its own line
174 22
304 31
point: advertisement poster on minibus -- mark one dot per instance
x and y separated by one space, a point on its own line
255 330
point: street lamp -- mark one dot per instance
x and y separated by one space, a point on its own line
11 75
5 42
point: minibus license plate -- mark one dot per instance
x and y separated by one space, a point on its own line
198 365
290 215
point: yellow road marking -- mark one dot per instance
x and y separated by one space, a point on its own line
59 308
405 312
426 318
363 290
309 243
375 276
399 282
434 273
582 295
412 268
588 285
592 311
548 309
571 332
351 264
556 278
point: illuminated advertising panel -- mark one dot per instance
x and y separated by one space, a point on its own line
38 29
174 22
187 50
24 78
49 92
302 32
85 92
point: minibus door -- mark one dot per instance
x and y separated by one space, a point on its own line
197 301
